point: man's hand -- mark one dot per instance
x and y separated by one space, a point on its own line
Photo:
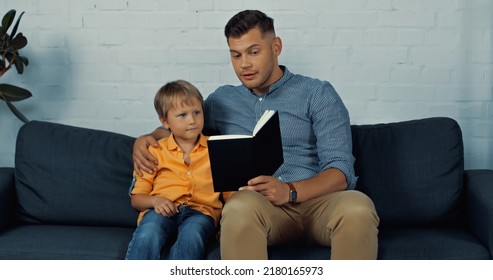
275 191
142 158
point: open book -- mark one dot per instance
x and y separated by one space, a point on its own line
235 159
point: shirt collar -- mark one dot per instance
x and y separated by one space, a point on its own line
285 77
172 145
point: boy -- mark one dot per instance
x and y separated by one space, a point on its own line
178 198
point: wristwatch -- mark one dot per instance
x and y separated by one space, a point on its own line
293 194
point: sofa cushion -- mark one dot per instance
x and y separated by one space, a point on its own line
58 242
430 243
7 196
412 170
72 175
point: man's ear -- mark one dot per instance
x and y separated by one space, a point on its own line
277 45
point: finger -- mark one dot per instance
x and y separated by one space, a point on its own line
139 167
152 141
161 211
257 188
141 154
146 161
137 170
170 210
259 180
149 160
247 188
169 207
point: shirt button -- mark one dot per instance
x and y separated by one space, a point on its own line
260 99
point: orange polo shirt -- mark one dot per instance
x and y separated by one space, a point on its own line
182 184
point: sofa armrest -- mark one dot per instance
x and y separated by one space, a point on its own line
7 196
479 187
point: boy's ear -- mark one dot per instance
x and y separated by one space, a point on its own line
164 122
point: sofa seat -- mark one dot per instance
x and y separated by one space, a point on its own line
430 244
37 242
64 242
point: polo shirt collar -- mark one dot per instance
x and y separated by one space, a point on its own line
172 145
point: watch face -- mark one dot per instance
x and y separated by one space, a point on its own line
293 196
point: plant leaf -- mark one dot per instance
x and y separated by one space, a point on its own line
19 66
16 112
14 30
7 20
11 93
9 55
24 59
19 42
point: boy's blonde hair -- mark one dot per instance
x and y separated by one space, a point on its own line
168 96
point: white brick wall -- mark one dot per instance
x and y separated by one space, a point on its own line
98 63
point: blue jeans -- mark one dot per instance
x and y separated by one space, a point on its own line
192 228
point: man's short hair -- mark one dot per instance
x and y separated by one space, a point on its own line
244 21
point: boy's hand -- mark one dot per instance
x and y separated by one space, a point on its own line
165 207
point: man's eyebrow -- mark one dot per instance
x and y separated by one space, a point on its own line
248 48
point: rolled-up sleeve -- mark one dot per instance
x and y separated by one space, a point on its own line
332 129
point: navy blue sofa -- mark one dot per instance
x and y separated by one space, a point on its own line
67 196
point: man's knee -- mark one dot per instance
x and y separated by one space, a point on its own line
242 202
243 210
357 208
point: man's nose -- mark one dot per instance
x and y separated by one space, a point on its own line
245 62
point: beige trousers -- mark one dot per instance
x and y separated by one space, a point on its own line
346 221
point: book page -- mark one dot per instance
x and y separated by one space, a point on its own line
263 120
229 136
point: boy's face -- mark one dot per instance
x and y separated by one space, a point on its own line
185 121
255 59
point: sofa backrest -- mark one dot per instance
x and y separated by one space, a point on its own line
73 175
412 170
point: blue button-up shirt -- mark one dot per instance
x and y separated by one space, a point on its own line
315 127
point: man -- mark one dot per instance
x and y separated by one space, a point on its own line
310 197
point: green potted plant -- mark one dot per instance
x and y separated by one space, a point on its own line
9 52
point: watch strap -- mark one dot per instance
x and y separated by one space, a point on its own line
293 194
291 186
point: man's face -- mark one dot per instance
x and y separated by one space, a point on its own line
255 59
